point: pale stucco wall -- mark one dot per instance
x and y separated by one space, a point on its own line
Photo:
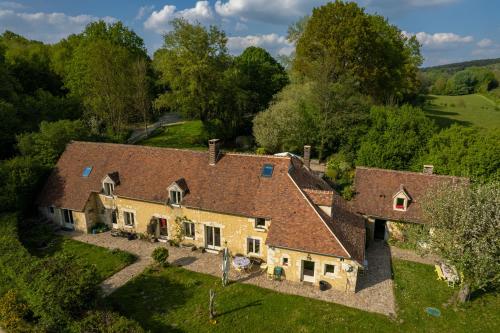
341 279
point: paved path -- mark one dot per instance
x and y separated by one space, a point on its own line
375 289
410 255
140 133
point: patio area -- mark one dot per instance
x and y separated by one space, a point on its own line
374 293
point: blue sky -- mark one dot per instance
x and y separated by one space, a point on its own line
450 30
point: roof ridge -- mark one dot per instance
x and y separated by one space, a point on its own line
410 172
136 146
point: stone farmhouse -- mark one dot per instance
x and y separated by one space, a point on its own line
270 207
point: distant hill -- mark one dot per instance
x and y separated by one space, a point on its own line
455 67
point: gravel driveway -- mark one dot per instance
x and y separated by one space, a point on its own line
375 289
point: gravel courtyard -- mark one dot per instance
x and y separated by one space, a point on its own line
375 288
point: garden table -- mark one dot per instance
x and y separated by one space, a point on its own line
241 262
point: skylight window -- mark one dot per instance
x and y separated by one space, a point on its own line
267 170
87 171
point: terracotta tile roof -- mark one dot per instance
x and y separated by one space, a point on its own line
233 185
375 189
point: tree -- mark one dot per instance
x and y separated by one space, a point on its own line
465 224
288 123
191 65
9 122
462 83
49 143
464 151
100 72
261 76
141 98
397 136
351 43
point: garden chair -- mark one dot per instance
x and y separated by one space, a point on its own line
439 272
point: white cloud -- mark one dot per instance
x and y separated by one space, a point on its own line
143 11
486 42
11 5
273 43
159 21
440 39
47 27
269 11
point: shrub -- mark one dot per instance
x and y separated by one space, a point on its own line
160 256
261 151
13 313
106 321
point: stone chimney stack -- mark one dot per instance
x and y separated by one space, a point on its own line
428 169
213 151
307 156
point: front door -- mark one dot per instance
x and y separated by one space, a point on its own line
212 237
308 271
68 220
162 223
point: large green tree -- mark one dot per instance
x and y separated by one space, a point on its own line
396 138
349 42
465 224
261 76
463 151
100 72
191 64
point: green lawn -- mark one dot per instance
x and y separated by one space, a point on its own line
188 135
468 110
176 300
41 242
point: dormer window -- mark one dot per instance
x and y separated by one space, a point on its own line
176 191
260 223
401 199
108 188
175 197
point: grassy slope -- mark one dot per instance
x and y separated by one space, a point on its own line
188 135
176 300
468 110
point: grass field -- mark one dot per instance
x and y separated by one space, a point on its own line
187 135
176 300
468 110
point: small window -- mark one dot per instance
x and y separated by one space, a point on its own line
260 223
267 170
253 245
329 269
400 203
51 210
129 218
86 172
189 229
284 261
175 197
68 216
108 188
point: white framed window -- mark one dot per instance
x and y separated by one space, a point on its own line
189 229
253 245
108 188
329 270
400 203
260 223
129 219
285 261
68 216
175 197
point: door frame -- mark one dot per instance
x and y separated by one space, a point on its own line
303 276
70 225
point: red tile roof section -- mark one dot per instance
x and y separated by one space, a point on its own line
375 189
233 185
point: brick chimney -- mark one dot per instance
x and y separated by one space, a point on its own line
307 156
428 169
213 151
